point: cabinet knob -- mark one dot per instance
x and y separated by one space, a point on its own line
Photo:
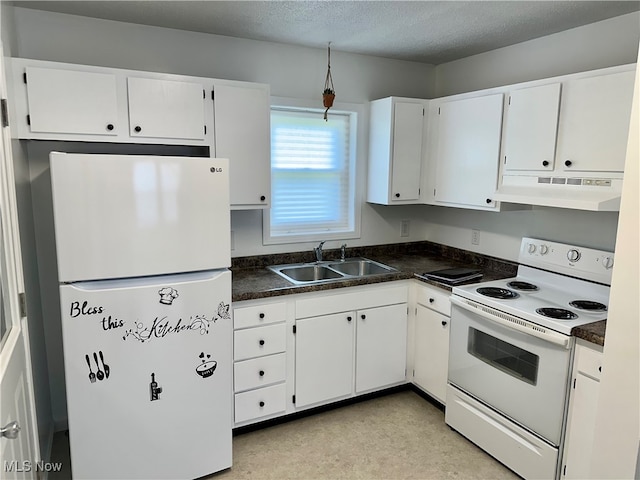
568 163
261 373
348 319
397 195
261 315
363 316
261 404
600 368
431 300
138 128
488 200
545 163
444 323
110 126
262 198
261 342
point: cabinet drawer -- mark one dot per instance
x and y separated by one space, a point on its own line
255 342
259 372
257 315
589 361
260 403
435 300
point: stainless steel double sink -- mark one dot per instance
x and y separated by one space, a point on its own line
330 270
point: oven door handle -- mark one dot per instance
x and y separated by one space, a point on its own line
515 324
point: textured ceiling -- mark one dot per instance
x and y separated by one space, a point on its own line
423 31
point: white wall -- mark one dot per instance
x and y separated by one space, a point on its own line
598 45
617 429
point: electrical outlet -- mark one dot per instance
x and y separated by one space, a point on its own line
404 228
475 237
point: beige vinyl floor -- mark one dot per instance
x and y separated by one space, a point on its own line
396 436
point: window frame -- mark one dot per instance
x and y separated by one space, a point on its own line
357 148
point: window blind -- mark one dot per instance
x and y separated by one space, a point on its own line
310 173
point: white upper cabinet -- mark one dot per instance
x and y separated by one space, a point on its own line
166 109
67 101
242 134
467 151
594 122
530 128
396 132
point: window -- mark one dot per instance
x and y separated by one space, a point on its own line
312 176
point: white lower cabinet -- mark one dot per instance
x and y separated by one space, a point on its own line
583 403
431 342
356 343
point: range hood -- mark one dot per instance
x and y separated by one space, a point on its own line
578 193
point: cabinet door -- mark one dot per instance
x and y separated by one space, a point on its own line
431 356
324 358
65 101
242 134
468 150
580 428
594 122
166 109
408 121
381 347
531 127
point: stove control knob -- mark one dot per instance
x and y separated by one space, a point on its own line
573 255
544 249
531 248
607 262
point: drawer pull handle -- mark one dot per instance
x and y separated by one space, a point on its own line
431 300
348 319
261 315
261 342
363 316
261 404
261 373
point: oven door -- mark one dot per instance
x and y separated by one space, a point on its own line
513 366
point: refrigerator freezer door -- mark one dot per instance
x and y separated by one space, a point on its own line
122 216
148 367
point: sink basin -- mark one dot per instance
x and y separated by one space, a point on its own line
309 273
360 267
330 271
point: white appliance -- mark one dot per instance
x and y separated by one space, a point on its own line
143 250
511 351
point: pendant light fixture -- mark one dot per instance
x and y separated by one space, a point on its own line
329 94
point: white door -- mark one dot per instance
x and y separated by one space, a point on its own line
408 121
381 347
468 150
431 352
532 125
148 369
324 358
129 216
166 109
67 101
242 121
19 449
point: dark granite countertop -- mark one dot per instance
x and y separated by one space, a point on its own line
592 332
252 280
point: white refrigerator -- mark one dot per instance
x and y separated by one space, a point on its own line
143 250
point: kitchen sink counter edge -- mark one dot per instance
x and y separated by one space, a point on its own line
253 280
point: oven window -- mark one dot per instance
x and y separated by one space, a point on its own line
508 358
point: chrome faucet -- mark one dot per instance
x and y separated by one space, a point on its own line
318 251
343 251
